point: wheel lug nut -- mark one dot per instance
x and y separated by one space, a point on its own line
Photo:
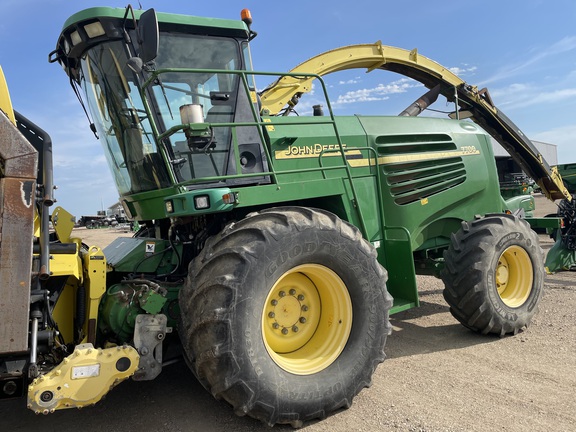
271 315
274 302
302 320
304 308
300 297
292 291
284 331
281 293
275 326
294 329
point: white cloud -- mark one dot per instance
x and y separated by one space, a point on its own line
521 95
354 80
566 44
512 94
378 93
463 71
552 97
540 53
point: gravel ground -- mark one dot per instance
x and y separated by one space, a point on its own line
438 377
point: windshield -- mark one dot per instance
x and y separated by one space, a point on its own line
126 131
216 93
123 126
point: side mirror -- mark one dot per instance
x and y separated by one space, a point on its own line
148 36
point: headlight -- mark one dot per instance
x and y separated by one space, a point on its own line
201 202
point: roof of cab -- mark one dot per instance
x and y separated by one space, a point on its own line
163 18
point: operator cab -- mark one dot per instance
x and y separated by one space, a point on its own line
138 71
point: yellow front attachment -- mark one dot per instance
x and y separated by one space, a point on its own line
63 223
5 101
82 379
307 318
514 276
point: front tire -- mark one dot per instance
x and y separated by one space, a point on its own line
494 274
285 315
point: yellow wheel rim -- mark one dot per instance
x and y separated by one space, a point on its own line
307 318
514 276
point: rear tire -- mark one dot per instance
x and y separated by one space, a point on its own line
285 315
494 274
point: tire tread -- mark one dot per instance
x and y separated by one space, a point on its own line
464 274
206 330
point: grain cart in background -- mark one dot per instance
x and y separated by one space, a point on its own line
273 247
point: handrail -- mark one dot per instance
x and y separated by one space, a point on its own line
260 123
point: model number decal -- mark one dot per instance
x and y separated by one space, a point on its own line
467 150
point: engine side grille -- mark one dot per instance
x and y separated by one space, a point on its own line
420 166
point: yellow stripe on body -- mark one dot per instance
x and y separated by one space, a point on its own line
416 157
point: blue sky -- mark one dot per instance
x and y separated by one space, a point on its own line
524 51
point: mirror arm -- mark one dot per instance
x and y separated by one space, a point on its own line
126 35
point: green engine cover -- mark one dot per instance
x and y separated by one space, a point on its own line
139 255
